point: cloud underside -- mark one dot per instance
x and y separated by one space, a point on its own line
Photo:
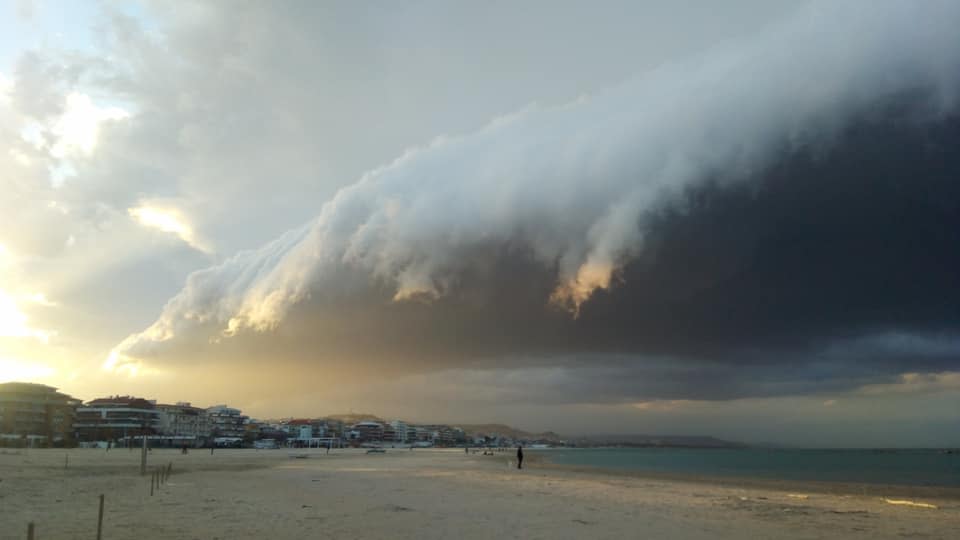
830 269
777 217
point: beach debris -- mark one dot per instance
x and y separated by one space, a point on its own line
904 502
849 512
397 508
798 496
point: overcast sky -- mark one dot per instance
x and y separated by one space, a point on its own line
577 216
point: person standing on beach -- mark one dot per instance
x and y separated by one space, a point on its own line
520 457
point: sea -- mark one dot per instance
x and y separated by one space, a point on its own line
901 467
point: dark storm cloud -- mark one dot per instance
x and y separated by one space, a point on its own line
823 245
830 269
763 221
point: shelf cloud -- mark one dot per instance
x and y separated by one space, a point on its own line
775 217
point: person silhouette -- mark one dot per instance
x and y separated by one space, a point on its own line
520 457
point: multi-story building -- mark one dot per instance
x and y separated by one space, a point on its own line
333 428
423 434
320 428
117 417
398 431
252 429
226 421
299 428
389 434
367 431
189 424
35 413
442 435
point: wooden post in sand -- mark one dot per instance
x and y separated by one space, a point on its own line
143 457
153 477
100 519
66 460
169 469
30 531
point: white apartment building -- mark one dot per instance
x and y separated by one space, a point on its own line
185 421
226 421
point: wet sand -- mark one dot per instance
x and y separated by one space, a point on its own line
428 493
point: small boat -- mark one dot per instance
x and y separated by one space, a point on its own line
376 451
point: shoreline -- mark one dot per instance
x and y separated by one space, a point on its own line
784 485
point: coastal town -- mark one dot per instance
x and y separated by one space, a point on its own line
36 415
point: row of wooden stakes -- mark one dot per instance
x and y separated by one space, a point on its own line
159 477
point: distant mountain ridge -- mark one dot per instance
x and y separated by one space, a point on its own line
690 441
507 431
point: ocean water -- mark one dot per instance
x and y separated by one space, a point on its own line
904 467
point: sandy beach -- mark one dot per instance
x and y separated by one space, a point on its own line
426 493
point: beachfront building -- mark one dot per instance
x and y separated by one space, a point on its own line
184 423
395 431
226 422
423 434
253 430
333 428
308 433
117 417
303 428
298 428
319 427
441 435
389 434
32 414
367 432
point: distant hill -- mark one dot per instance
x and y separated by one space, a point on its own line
353 418
507 431
690 441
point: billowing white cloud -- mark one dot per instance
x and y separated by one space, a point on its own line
570 183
